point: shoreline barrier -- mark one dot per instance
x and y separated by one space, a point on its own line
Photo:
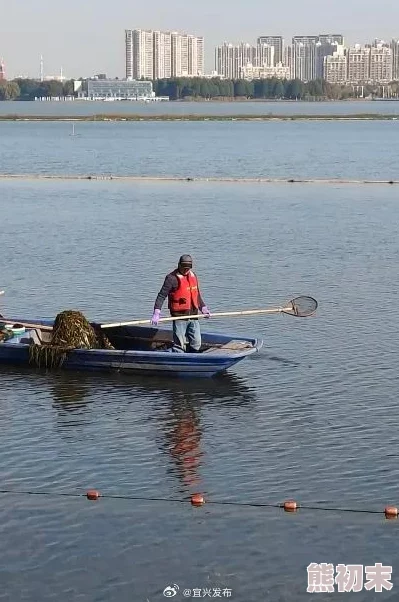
197 117
227 179
198 499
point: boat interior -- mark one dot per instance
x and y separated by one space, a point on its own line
141 339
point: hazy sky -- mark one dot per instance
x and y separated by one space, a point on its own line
87 36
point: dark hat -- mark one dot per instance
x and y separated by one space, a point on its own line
186 260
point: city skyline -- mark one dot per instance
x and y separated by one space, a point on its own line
87 38
42 73
308 58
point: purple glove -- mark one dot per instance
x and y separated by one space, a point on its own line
206 312
155 317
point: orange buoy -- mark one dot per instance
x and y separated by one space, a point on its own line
290 506
391 512
93 494
197 499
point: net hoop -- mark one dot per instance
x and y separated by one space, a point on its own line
302 307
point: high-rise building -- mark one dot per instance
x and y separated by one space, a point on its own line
305 39
303 59
323 50
230 60
159 55
308 53
187 55
395 59
372 63
162 55
278 44
139 54
380 64
195 47
2 70
358 64
265 56
278 71
287 60
176 54
335 68
225 58
331 38
129 53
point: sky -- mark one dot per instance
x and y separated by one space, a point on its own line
86 37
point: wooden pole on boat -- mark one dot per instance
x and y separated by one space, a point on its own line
191 317
299 307
26 324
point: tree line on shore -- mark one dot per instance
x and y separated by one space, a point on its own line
29 89
208 88
271 88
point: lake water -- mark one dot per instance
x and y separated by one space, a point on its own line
311 417
327 149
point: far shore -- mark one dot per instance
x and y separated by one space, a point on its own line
226 99
243 99
192 117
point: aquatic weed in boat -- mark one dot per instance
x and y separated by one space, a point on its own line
71 330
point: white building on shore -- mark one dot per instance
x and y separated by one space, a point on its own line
115 89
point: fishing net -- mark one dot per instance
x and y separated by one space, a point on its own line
71 330
301 307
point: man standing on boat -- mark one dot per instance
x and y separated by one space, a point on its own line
184 299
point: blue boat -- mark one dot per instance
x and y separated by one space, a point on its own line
137 349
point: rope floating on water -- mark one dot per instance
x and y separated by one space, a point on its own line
198 499
227 179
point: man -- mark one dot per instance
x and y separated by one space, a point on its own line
184 299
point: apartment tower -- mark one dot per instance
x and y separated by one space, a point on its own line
161 55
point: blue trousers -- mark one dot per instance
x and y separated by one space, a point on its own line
186 330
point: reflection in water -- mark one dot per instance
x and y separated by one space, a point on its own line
227 388
69 392
68 387
180 420
183 436
174 405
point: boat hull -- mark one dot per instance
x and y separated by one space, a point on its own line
223 352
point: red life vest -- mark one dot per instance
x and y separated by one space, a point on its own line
185 297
